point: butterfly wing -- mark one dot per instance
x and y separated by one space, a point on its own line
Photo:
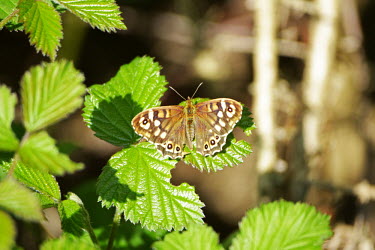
213 121
165 127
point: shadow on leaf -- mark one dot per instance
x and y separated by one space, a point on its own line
111 120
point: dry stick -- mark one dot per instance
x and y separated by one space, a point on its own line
265 71
318 67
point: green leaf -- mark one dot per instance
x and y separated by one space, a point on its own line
102 14
197 237
246 122
49 93
43 24
24 7
283 225
44 184
8 140
231 155
110 108
129 236
75 219
39 152
19 200
64 243
7 7
137 182
7 231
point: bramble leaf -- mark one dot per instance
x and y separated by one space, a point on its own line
75 219
231 155
19 200
109 108
197 237
43 24
282 225
44 184
7 231
40 152
49 93
136 181
8 140
246 123
102 14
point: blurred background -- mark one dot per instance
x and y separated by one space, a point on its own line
304 68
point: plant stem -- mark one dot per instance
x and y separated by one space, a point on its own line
116 223
5 20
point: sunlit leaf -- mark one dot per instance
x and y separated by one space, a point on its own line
137 182
282 225
49 93
8 140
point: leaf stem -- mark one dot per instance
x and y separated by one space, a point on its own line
116 223
5 20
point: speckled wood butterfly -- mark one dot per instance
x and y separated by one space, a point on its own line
204 125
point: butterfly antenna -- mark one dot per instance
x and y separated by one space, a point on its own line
177 93
196 90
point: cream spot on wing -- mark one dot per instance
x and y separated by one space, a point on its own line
233 107
229 114
210 130
163 135
157 123
222 123
220 114
157 132
151 115
145 126
223 105
217 127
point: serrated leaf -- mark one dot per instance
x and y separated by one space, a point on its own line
7 231
19 200
282 225
109 108
43 24
44 184
24 6
230 156
102 14
137 182
40 152
49 93
246 122
8 140
75 219
64 243
197 237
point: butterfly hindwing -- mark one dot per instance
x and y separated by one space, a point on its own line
214 120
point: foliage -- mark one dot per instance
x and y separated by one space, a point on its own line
276 225
41 20
135 181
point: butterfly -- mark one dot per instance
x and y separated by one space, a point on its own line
204 125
